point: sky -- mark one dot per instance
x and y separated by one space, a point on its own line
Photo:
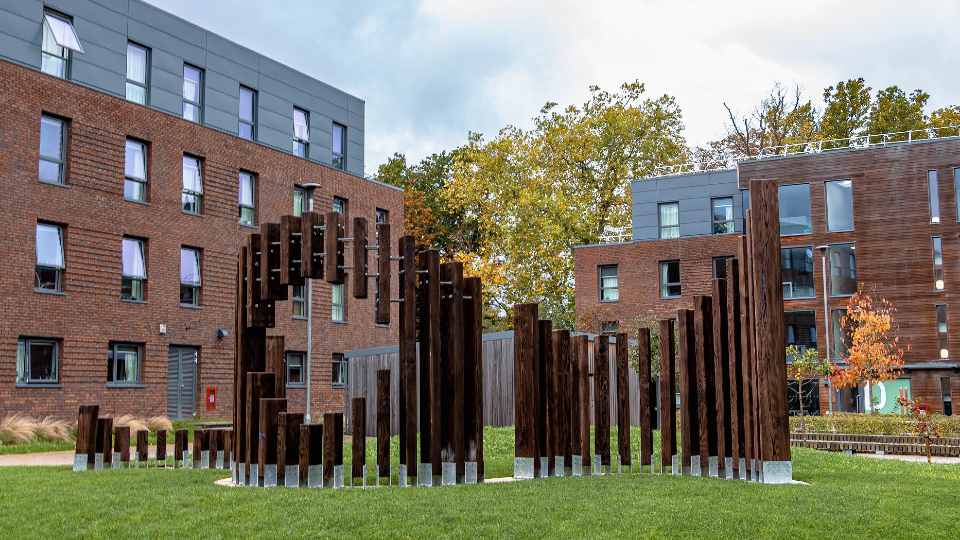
430 71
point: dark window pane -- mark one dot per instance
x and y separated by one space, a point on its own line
797 268
843 269
839 205
794 209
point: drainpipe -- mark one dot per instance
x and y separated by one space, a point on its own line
827 323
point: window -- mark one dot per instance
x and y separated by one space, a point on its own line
720 266
189 276
609 285
937 263
669 216
338 146
50 262
38 361
295 368
943 339
135 171
721 211
192 195
843 269
383 216
248 114
192 93
338 303
797 267
248 198
138 69
956 189
945 395
301 202
301 133
745 199
299 301
609 327
123 364
933 191
339 375
794 209
801 329
340 205
839 205
670 279
52 145
134 271
840 338
59 38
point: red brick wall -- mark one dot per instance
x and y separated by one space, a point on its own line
91 206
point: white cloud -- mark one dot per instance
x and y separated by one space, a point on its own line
432 70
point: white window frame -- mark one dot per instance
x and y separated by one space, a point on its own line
133 84
664 284
603 288
59 38
190 102
673 230
301 359
338 302
136 282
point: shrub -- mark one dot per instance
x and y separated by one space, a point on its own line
871 424
128 420
16 429
156 423
51 429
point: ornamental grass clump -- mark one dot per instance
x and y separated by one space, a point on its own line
16 429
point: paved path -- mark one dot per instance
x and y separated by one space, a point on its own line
945 460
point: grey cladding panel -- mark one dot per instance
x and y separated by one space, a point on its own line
29 9
227 68
694 193
92 12
19 50
224 85
23 28
96 76
173 26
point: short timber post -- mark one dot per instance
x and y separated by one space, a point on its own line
525 402
560 412
86 445
143 446
333 450
121 447
383 426
270 408
473 380
311 455
576 416
735 369
288 449
358 463
181 448
583 350
161 452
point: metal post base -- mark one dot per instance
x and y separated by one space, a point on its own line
98 462
743 469
254 479
449 473
728 468
544 467
241 473
425 475
777 472
115 463
291 476
559 466
523 468
713 464
754 471
315 476
79 462
359 481
186 462
219 461
695 466
205 459
576 465
402 476
470 472
270 475
338 476
675 466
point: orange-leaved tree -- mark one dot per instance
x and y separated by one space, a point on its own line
874 354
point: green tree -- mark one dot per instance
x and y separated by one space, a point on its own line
536 193
946 117
846 109
894 111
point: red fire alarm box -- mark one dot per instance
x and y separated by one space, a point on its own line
211 398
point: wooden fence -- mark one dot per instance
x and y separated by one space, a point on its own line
498 389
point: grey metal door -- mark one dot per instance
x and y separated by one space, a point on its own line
181 381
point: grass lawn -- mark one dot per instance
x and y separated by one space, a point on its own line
849 497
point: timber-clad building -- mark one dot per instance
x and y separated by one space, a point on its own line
886 217
137 152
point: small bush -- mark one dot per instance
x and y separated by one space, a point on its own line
157 423
16 429
871 424
128 420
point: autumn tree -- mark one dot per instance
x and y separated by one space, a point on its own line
566 181
923 424
804 364
781 118
874 354
893 110
846 109
946 117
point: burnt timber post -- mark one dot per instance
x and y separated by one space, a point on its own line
706 389
768 308
408 362
430 361
543 365
473 380
668 407
560 413
746 362
288 448
86 444
259 385
576 412
121 447
199 448
181 450
161 452
358 461
623 399
383 426
451 280
601 404
721 370
583 351
333 450
687 381
143 447
646 406
525 389
311 455
270 408
734 342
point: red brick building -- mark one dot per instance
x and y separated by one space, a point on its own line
884 217
102 303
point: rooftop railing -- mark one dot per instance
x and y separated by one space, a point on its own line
857 142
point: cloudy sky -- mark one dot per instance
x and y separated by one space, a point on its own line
432 70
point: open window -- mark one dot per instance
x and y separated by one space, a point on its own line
59 38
